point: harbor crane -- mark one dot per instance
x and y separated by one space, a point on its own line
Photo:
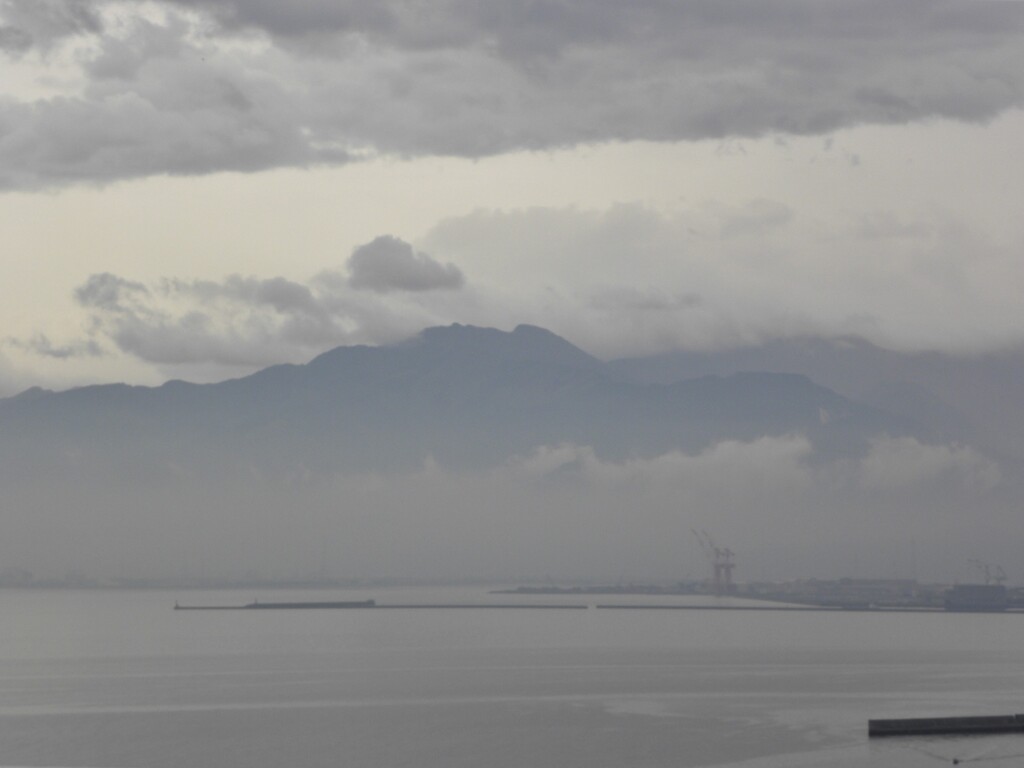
721 560
993 574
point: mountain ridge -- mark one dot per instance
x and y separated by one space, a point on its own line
467 396
468 446
972 400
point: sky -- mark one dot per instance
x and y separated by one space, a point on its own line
199 188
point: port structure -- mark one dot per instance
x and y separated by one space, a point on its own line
721 560
992 574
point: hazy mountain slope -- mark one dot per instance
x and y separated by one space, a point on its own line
973 399
467 397
470 452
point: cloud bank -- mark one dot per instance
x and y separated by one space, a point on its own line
557 511
624 281
631 280
200 86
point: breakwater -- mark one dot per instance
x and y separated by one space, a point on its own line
946 726
363 604
257 605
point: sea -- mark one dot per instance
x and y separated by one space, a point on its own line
119 679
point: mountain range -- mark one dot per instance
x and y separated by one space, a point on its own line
469 452
466 397
972 399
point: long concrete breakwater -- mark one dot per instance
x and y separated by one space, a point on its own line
372 604
944 726
368 604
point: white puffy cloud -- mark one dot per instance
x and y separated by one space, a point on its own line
760 466
898 463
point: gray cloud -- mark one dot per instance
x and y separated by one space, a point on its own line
329 82
41 344
638 301
40 23
885 225
108 292
623 281
302 18
756 217
247 322
630 280
240 321
173 117
389 264
14 40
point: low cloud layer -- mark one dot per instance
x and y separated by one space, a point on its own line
905 462
625 281
557 511
111 90
632 280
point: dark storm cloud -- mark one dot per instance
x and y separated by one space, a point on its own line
208 85
389 264
40 23
142 114
14 40
298 19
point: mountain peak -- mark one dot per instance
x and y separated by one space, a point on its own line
524 343
31 393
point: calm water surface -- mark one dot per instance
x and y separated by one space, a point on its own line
120 680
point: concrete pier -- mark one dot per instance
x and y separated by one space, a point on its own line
946 726
258 606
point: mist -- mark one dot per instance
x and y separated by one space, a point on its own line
904 510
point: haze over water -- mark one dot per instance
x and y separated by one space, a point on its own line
114 678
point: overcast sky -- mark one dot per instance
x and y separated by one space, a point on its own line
200 188
197 188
